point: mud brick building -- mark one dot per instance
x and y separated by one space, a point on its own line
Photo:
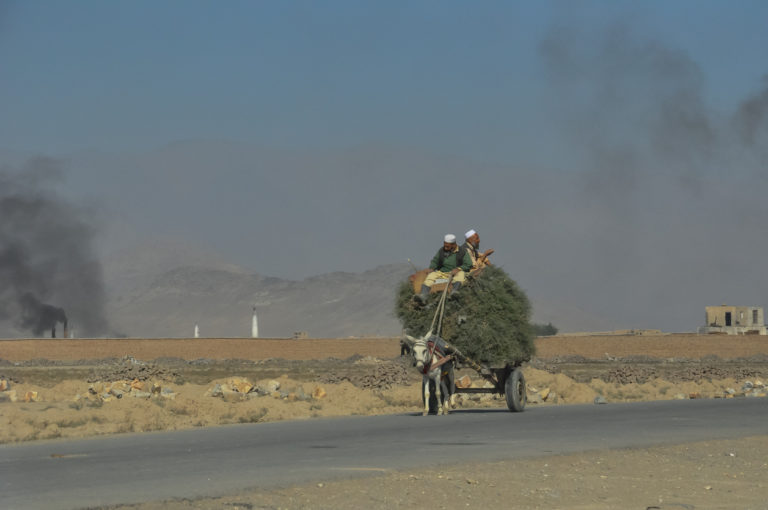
734 320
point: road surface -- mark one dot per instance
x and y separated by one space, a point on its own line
208 462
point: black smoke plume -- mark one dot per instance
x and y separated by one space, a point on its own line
47 261
670 205
39 317
753 115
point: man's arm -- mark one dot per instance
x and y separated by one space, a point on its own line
484 257
466 263
435 260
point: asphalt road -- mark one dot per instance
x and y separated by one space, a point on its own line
207 462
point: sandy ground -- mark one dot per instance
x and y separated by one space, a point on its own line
722 474
69 409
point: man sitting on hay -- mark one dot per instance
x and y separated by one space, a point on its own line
451 261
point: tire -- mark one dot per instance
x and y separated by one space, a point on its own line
514 391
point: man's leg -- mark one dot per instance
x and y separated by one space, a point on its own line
458 280
421 297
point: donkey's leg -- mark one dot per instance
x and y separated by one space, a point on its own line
439 391
447 396
425 392
450 381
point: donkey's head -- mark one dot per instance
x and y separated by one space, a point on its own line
420 351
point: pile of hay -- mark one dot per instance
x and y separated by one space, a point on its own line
489 320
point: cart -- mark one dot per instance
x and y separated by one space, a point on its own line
507 379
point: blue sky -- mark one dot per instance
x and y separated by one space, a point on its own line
599 146
449 75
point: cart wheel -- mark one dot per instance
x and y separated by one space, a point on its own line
514 391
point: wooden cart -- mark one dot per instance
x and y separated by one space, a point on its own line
507 379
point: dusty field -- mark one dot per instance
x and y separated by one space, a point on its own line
197 348
592 347
677 346
80 388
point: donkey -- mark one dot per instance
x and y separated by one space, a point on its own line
435 367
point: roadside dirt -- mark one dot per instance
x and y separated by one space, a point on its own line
73 387
726 475
103 401
60 391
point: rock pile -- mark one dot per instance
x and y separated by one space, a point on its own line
709 372
688 372
129 368
238 389
115 390
9 395
382 375
748 389
536 396
628 374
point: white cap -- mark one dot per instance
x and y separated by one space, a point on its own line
469 234
450 238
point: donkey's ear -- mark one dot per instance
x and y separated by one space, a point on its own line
409 340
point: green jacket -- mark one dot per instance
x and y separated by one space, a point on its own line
449 262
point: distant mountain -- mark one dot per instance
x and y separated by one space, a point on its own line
163 286
220 301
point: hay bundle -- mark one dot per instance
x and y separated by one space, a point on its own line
489 320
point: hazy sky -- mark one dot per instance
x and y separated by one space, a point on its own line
614 153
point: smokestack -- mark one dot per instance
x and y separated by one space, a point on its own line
254 324
39 317
197 331
66 331
34 277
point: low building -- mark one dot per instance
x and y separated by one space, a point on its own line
734 320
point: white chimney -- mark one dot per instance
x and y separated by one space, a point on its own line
197 331
254 325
